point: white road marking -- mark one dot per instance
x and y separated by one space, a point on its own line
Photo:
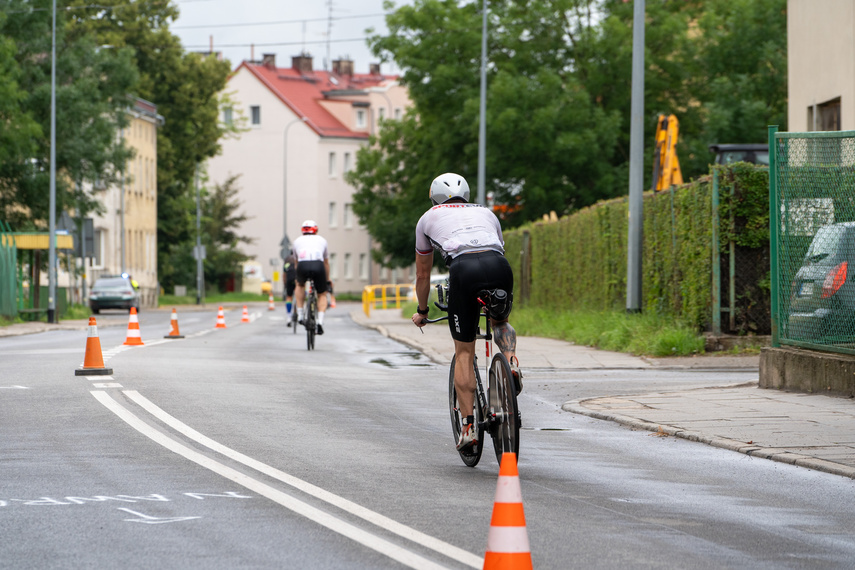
14 388
94 378
146 519
368 540
375 518
106 385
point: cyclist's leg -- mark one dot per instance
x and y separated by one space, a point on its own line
505 337
300 290
464 376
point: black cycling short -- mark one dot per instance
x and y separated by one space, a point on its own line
468 274
314 270
290 279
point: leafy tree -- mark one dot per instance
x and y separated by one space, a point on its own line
220 220
186 88
558 100
91 88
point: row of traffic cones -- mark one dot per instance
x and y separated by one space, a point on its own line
93 360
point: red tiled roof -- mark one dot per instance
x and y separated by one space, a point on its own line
302 93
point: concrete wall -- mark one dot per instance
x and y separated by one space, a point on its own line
807 371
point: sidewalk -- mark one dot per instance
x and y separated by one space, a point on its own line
810 430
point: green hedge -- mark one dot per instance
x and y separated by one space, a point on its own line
579 261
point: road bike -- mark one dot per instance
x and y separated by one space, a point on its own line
310 314
496 411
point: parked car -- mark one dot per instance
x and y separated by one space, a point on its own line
730 153
114 292
822 298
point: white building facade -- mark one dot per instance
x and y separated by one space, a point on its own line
303 130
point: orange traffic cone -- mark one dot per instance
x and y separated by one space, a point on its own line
134 337
245 317
93 362
507 542
271 306
174 322
221 319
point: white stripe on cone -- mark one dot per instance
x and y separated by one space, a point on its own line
508 539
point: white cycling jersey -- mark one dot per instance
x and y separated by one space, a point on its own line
310 247
455 229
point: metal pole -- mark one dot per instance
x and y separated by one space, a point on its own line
482 114
774 233
716 260
51 314
636 164
122 205
200 273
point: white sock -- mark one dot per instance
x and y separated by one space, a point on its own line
320 317
299 314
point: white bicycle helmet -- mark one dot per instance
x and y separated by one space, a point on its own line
447 186
310 227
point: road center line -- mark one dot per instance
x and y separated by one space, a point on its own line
368 540
377 519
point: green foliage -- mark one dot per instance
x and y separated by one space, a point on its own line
91 89
558 101
219 234
579 262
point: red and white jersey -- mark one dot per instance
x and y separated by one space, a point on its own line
456 228
310 248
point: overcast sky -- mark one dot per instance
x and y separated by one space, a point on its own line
243 29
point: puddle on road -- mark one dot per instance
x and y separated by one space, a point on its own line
403 360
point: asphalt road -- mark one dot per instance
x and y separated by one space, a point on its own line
238 448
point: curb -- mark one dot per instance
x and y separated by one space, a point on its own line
772 453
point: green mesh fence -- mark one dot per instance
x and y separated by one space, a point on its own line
8 279
812 209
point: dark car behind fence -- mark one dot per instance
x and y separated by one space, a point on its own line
812 185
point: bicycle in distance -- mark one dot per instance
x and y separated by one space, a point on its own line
496 410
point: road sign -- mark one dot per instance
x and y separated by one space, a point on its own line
199 252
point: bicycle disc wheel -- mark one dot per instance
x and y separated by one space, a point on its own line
503 404
470 455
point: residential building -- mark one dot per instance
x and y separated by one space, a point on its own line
303 128
821 65
131 210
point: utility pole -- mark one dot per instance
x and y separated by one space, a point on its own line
482 113
51 312
636 164
200 273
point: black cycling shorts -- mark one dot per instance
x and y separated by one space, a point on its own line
290 280
315 271
468 274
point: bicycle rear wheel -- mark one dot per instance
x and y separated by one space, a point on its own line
311 316
470 455
503 406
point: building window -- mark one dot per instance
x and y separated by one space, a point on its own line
348 270
332 165
348 216
333 266
227 115
333 215
398 113
384 273
255 113
363 266
381 113
97 260
347 162
360 118
825 116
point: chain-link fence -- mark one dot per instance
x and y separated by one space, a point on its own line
8 280
812 182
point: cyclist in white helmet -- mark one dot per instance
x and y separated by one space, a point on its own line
313 261
469 237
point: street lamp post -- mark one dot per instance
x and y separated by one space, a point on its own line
482 111
51 315
285 241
